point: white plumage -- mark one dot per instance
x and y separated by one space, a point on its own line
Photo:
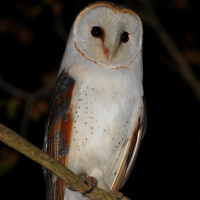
106 106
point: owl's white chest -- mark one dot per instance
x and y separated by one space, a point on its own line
101 123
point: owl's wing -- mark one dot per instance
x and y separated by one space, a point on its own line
130 151
58 132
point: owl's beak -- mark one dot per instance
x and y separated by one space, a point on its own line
109 57
111 51
109 54
110 47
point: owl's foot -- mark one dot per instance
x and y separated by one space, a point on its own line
89 181
119 195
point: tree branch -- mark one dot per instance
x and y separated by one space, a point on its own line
13 140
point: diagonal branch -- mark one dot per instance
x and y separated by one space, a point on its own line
13 140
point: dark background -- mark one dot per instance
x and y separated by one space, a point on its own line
32 42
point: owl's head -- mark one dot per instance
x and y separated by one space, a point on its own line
108 35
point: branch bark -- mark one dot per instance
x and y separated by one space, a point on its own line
13 140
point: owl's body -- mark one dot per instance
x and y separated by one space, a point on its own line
97 112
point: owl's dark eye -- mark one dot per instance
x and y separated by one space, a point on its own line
124 37
96 31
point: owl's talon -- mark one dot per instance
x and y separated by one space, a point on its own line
88 180
84 178
90 190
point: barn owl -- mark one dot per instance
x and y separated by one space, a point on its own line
97 115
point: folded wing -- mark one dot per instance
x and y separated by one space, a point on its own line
127 157
58 132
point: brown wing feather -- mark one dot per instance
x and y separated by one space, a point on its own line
59 132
